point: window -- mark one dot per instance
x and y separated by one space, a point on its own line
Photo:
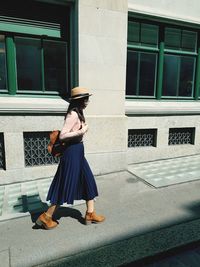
35 149
34 50
142 137
181 136
162 61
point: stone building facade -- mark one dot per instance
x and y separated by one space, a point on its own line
140 60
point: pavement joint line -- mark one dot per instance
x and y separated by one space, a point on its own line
9 254
165 159
5 249
142 180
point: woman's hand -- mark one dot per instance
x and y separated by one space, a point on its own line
84 128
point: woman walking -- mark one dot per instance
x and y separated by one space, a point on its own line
74 179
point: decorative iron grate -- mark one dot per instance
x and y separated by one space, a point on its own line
35 149
2 152
181 136
142 137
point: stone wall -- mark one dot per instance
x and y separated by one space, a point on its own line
102 36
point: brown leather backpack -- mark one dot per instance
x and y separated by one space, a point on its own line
55 146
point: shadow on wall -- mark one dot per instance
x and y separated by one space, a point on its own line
31 204
34 205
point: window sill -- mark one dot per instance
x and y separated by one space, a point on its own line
161 107
32 105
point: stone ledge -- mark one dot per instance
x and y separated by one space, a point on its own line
32 105
135 107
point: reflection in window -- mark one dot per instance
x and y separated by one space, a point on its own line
131 73
180 39
147 73
134 32
149 34
28 57
178 78
55 65
142 34
3 79
141 69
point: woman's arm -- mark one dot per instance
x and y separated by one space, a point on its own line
71 120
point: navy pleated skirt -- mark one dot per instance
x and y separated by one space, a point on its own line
74 179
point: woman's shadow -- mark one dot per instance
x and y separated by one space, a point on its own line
68 212
58 214
34 205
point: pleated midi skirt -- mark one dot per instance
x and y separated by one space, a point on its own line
74 179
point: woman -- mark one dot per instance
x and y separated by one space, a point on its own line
74 179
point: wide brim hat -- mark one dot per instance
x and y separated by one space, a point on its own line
79 92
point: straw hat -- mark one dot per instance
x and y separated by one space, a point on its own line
79 92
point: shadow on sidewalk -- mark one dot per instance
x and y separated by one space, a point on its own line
59 213
68 212
193 208
35 207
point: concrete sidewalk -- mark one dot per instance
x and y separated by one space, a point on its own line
140 221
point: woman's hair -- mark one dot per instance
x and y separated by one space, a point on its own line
75 105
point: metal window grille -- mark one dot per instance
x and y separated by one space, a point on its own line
181 136
142 137
2 152
35 149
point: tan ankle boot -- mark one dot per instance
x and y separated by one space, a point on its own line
46 221
92 217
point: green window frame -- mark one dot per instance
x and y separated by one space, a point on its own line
175 74
35 57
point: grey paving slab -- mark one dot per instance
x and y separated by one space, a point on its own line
168 172
4 258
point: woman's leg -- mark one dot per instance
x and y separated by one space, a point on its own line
51 210
91 216
45 219
90 205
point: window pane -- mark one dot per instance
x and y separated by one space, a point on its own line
172 38
28 57
186 76
3 79
133 32
55 57
147 74
149 34
170 75
142 34
189 40
131 73
140 78
180 39
178 76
